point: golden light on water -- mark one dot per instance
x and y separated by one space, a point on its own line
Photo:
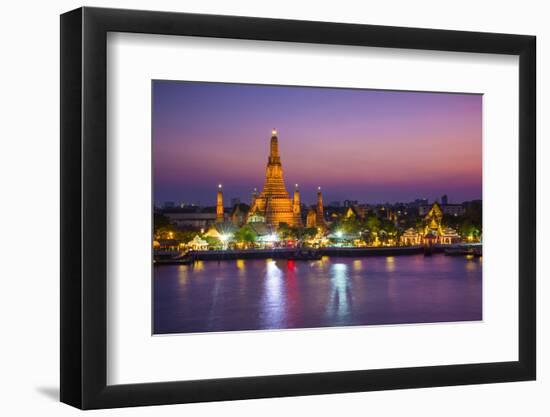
182 273
390 263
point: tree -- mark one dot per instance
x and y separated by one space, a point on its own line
245 235
213 242
184 236
286 232
160 221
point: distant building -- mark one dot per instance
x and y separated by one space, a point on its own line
444 199
453 209
235 201
418 203
450 209
168 204
350 203
195 219
334 204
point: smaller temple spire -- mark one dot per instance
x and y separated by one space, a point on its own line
320 209
219 205
296 206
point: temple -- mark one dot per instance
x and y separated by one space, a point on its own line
432 229
273 205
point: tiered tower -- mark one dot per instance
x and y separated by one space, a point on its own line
274 202
219 205
296 206
320 211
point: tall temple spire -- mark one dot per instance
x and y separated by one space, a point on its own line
274 148
274 201
219 205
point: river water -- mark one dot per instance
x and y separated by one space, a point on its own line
212 296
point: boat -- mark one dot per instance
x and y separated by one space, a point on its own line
463 250
458 251
174 260
305 255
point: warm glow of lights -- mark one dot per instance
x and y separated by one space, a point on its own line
390 263
319 188
219 186
240 264
225 237
272 238
274 132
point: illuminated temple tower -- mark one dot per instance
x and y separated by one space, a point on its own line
273 203
320 215
296 206
219 205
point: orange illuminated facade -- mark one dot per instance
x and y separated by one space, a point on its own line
274 204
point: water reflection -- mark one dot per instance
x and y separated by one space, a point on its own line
390 263
215 311
269 294
274 302
182 274
339 299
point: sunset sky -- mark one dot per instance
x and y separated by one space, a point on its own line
367 145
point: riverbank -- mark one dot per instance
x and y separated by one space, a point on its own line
298 254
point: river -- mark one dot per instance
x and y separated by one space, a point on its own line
259 294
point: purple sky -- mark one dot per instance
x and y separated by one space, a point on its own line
367 145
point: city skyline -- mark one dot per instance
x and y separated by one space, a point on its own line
368 145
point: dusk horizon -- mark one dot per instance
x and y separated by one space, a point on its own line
373 146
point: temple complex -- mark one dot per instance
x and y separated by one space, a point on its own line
432 230
273 205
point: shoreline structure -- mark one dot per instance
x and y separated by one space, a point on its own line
291 253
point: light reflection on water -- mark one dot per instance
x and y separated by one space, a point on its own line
340 292
273 303
280 294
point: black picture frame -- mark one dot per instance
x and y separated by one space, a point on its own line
84 207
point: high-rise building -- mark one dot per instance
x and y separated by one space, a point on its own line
350 203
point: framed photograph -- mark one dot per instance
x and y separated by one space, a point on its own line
258 208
